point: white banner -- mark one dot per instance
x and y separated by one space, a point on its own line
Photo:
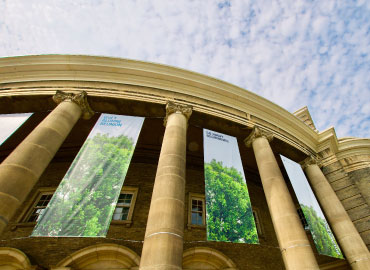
85 200
229 211
322 235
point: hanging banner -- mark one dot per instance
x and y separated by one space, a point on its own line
9 123
229 211
322 235
85 200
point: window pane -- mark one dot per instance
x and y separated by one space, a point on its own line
40 207
197 211
121 213
116 216
40 214
125 198
199 220
33 217
303 219
197 205
40 202
125 213
194 218
118 210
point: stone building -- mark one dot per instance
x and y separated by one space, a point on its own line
166 173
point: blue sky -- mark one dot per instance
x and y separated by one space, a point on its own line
294 53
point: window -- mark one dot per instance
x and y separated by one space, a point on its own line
303 219
125 204
255 212
37 205
196 215
39 208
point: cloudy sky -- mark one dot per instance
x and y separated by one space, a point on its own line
294 53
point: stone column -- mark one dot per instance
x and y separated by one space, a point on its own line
23 167
348 237
294 244
163 243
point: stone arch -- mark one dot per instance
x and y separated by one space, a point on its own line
206 258
13 259
101 256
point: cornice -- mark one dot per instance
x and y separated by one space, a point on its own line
327 139
175 81
342 148
353 147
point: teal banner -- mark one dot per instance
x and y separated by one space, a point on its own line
229 211
322 235
9 123
85 200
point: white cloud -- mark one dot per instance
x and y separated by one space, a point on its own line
295 53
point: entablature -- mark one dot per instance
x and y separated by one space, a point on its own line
106 77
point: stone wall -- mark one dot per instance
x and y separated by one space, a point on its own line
47 252
349 193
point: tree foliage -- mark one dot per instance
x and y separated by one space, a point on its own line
86 197
229 212
322 235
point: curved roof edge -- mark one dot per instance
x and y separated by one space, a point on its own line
174 81
342 148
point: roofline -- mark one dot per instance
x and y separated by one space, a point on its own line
170 80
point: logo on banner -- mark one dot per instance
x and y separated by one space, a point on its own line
111 120
217 136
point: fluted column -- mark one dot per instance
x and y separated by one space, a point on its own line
294 244
163 243
23 167
348 237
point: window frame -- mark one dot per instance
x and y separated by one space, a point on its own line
257 221
302 219
127 190
31 205
199 197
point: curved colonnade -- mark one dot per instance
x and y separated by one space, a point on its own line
192 101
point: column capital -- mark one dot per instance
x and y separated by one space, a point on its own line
257 133
80 99
311 160
172 107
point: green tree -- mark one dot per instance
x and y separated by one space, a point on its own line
322 235
85 199
229 212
